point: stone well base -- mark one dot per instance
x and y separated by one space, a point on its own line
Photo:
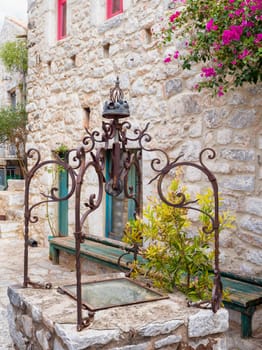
46 320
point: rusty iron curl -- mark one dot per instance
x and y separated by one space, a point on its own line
85 158
52 197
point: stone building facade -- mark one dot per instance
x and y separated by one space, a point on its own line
10 95
69 80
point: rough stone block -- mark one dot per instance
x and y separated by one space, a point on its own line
253 205
238 154
196 129
16 199
143 346
31 107
254 256
260 142
242 119
206 322
154 329
192 174
173 87
138 88
170 340
191 150
184 104
36 314
27 325
250 238
77 340
239 183
236 99
43 337
251 224
14 298
17 337
220 168
213 118
224 136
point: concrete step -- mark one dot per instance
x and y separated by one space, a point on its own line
11 205
11 229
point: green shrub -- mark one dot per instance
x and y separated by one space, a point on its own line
178 253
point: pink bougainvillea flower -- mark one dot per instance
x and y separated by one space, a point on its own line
220 91
227 37
167 59
239 12
174 16
216 46
244 54
233 33
258 38
209 24
209 72
247 24
234 62
220 65
237 30
176 54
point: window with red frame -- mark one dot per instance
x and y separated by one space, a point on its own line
114 7
61 19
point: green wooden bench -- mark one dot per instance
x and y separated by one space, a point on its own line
245 294
103 251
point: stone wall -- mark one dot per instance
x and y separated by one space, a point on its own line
69 75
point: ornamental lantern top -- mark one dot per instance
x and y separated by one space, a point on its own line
116 107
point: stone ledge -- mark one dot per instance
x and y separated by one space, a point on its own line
46 320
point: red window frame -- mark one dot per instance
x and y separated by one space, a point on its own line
61 19
110 8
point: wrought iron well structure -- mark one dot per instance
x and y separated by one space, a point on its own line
117 134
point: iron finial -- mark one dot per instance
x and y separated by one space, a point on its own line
116 107
116 93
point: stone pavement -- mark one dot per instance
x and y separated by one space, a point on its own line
42 270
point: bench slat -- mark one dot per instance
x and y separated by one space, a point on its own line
242 293
93 249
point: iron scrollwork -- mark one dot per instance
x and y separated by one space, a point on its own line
91 155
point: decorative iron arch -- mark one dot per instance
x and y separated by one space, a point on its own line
92 155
